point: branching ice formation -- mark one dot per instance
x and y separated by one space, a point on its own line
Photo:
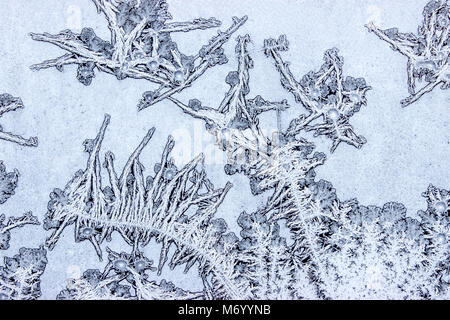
327 257
235 125
325 94
9 103
138 208
337 249
383 254
124 277
12 223
140 47
20 275
175 207
8 182
427 52
341 250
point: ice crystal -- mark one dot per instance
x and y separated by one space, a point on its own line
331 255
12 223
20 275
9 103
138 208
268 264
427 52
325 94
8 182
344 250
124 277
383 254
235 125
140 47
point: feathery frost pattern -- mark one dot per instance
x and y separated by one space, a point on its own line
318 261
140 47
427 52
302 242
20 275
136 207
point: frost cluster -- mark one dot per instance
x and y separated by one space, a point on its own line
140 47
20 275
303 242
8 182
325 94
427 51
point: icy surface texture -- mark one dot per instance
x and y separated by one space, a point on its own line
326 95
20 275
427 51
171 234
383 254
8 103
140 47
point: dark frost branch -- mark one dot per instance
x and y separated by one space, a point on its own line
140 47
427 52
325 94
9 103
12 223
20 275
381 253
8 182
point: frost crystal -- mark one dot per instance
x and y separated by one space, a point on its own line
8 182
20 275
383 254
9 103
325 94
141 47
12 223
235 125
427 52
124 277
339 249
138 208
